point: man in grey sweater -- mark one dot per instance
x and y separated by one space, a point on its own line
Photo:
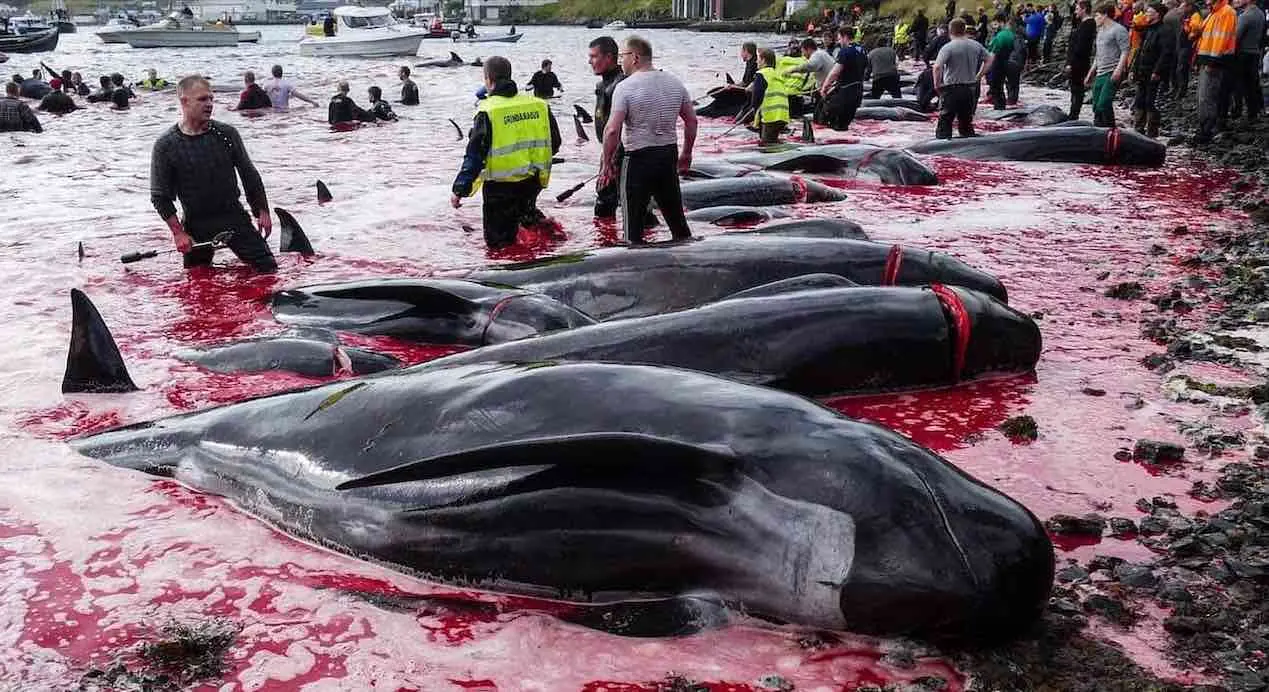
1246 73
1110 64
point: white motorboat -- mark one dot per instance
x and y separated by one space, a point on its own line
617 25
110 32
365 32
179 30
28 24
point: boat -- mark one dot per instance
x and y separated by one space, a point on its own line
28 24
61 18
616 25
434 25
180 30
501 38
364 32
248 36
110 32
29 43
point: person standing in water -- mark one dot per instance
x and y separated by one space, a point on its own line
544 82
198 161
646 107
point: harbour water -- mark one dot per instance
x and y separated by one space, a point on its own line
92 558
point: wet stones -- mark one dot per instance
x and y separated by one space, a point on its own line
1068 525
1122 528
1020 429
1128 290
1135 576
1156 452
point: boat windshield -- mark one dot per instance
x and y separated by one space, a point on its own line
367 22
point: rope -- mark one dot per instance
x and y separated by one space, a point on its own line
961 326
890 274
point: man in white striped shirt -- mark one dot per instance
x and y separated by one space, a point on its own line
646 107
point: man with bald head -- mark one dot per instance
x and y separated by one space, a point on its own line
198 161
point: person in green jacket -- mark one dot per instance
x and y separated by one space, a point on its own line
1001 47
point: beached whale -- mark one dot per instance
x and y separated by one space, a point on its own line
756 190
815 341
437 311
809 228
888 165
1062 144
620 483
308 352
891 113
732 215
727 102
1037 116
635 281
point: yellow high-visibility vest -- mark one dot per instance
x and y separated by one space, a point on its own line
775 102
520 139
798 82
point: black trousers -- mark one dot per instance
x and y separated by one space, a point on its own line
608 198
1049 38
841 104
1181 75
1147 98
1246 86
996 85
507 206
650 174
1013 83
770 133
887 84
956 102
1076 81
246 242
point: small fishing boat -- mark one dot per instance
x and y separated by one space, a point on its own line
29 43
364 32
181 30
501 38
617 25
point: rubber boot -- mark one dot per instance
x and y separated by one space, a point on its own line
808 132
1152 125
1139 121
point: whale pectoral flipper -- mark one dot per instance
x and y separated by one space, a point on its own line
93 363
583 450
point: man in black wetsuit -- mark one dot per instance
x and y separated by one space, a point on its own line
603 62
198 161
409 90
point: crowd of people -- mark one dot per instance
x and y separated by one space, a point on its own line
1155 46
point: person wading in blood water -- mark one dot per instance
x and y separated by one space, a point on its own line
198 161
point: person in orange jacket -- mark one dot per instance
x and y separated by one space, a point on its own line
1191 28
1215 51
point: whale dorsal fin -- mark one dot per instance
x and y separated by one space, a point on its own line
586 451
292 238
93 364
454 56
797 284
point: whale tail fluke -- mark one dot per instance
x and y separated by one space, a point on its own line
323 193
292 238
93 364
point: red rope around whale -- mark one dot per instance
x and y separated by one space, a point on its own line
960 324
890 274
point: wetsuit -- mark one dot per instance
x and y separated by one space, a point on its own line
343 110
409 93
607 198
253 98
381 110
58 103
507 205
751 69
848 92
544 84
202 172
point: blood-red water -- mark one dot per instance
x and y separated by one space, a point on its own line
94 558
